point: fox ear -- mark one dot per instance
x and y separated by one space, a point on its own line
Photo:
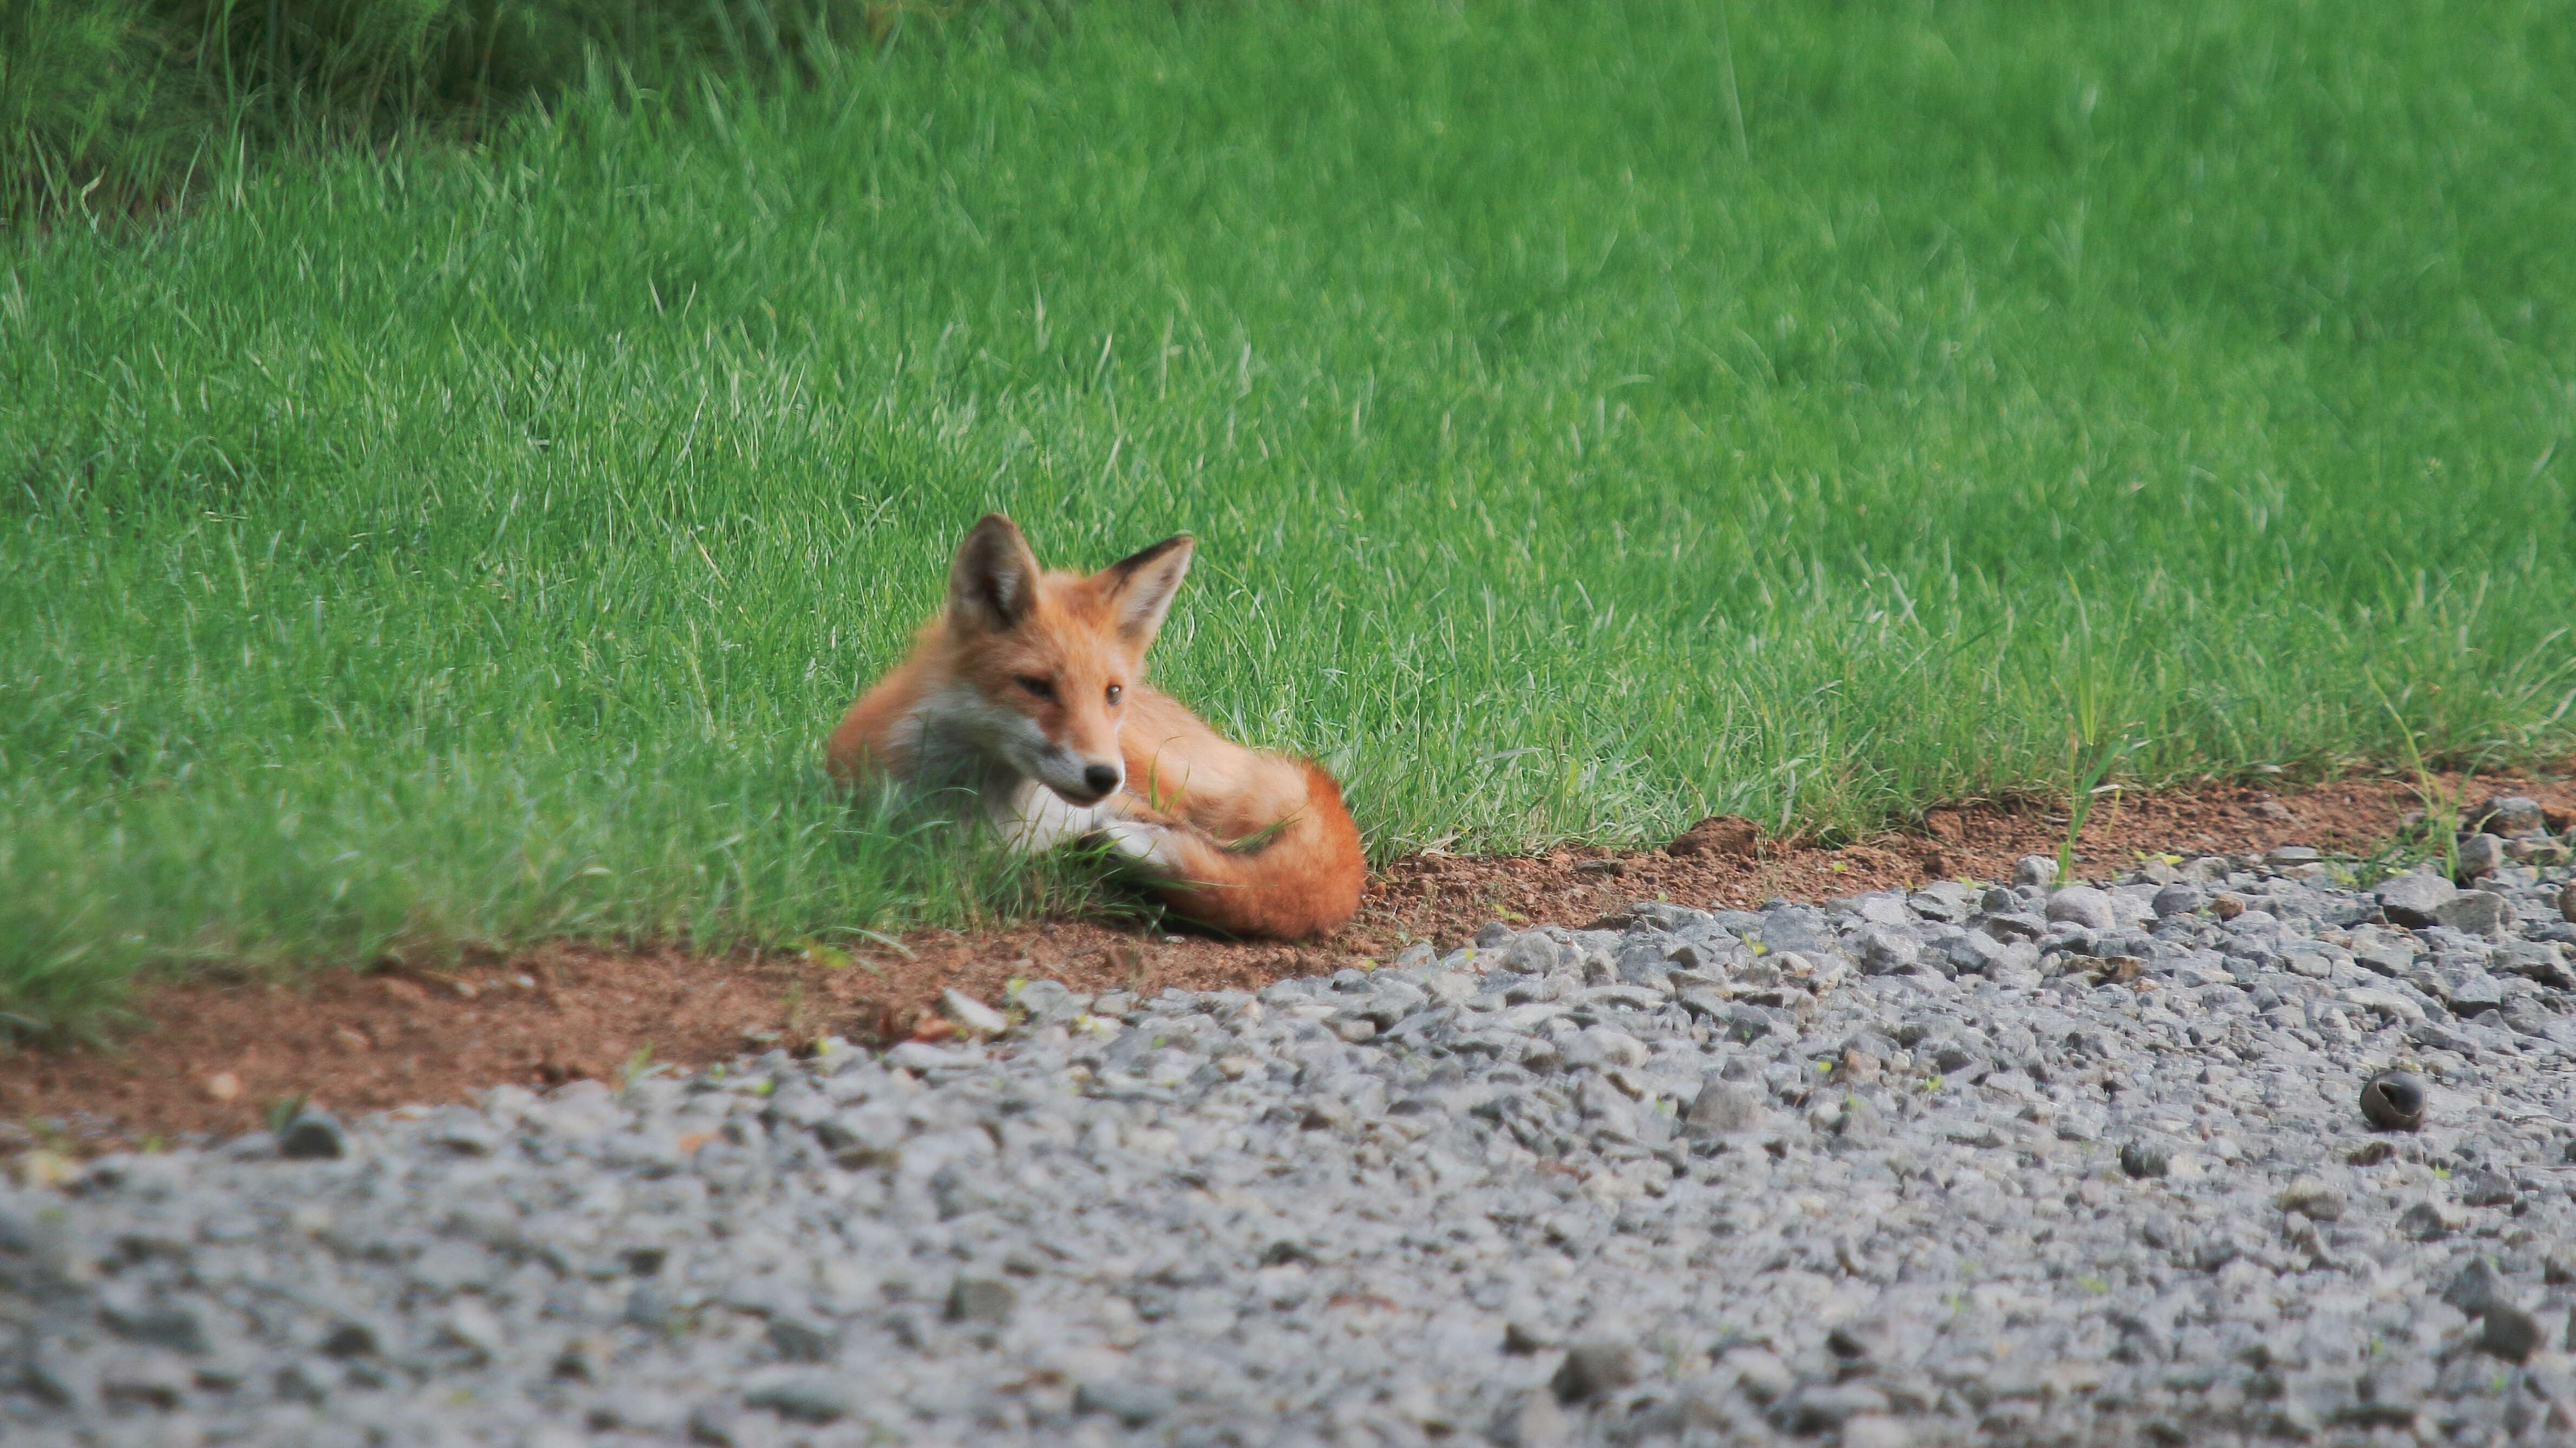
1140 587
994 581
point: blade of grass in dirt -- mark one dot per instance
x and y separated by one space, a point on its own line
472 545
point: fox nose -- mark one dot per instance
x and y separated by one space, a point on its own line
1101 777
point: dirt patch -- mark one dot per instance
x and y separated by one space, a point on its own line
215 1056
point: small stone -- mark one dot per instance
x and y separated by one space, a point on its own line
801 1339
2477 1287
1857 1066
312 1136
1722 1109
1888 952
2486 1188
1532 1421
2311 1198
2393 1101
472 1326
1763 1377
2145 1159
305 1380
2474 912
2511 1333
2424 1222
1049 1002
1871 1430
2509 814
168 1324
1871 1340
146 1379
2012 925
350 1337
224 1087
2082 905
717 1425
2480 855
805 1395
2384 1002
2284 857
1132 1404
1595 1367
464 1131
2410 900
1821 1408
973 1017
987 1300
2038 871
2179 898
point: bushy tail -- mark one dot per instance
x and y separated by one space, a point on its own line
1298 879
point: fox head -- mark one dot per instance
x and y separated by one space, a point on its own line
1052 658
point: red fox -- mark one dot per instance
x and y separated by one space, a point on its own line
1029 691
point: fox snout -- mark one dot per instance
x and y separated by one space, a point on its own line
1081 781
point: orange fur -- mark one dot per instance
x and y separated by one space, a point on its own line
1246 841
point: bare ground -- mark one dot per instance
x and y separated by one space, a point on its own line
213 1055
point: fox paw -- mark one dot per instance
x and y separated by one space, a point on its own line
1151 845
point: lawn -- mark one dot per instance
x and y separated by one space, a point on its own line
1593 416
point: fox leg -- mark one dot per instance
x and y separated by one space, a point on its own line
1034 819
1144 835
1159 848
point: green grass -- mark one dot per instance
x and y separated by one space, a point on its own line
474 545
114 107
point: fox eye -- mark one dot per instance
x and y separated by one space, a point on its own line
1043 688
1114 691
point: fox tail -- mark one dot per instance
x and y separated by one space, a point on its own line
1295 880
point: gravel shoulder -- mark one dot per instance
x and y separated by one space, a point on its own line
1999 1164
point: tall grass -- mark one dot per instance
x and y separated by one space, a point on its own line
474 545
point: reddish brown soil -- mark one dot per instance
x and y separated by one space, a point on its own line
214 1056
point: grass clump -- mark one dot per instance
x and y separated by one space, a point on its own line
448 546
109 106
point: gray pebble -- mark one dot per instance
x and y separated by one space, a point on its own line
2082 905
2480 855
804 1395
975 1298
2477 1287
1533 1420
2179 898
1132 1404
1594 1368
2474 912
2509 814
2412 899
802 1339
2511 1333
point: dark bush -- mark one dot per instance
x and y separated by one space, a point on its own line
105 105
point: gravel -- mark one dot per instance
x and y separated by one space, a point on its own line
2018 1164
